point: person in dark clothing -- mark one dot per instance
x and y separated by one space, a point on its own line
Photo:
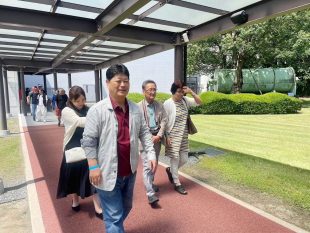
54 100
74 177
27 91
61 101
33 100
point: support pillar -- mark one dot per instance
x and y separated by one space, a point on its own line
44 83
55 81
6 93
180 63
97 86
185 63
19 92
23 92
100 84
69 81
3 123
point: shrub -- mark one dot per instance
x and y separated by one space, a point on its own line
219 103
282 103
162 97
216 103
137 97
250 104
270 103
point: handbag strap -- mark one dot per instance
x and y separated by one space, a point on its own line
183 99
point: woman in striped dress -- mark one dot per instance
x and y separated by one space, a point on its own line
177 144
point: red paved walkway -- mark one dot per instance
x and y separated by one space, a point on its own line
201 211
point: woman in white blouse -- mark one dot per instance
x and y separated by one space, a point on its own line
74 177
177 144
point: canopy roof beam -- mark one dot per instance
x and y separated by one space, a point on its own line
195 6
12 16
110 18
44 64
256 12
35 21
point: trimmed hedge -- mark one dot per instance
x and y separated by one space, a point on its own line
137 97
219 103
162 97
270 103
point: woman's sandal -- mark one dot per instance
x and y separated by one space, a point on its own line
75 208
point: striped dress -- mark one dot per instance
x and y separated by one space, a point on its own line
179 132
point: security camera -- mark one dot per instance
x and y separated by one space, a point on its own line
239 17
185 37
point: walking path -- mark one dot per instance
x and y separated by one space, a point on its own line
203 210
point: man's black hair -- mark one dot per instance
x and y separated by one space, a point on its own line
115 70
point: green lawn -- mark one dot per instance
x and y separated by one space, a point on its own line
279 138
281 181
11 160
267 153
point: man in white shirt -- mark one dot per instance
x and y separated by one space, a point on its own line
156 120
41 109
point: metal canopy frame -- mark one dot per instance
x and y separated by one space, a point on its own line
50 42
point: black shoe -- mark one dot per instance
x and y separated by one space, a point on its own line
169 175
58 124
100 216
152 199
180 189
155 188
76 208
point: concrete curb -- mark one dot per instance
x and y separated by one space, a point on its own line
244 204
33 201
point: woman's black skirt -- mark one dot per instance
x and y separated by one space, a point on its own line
74 178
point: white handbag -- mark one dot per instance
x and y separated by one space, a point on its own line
75 154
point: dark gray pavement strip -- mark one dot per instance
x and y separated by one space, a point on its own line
214 152
13 190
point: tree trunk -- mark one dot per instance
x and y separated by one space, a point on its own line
238 81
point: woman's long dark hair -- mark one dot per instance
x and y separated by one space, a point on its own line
76 92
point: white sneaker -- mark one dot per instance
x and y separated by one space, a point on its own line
37 120
44 121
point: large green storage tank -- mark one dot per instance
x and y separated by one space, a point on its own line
257 80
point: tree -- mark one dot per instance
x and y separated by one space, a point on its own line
205 56
278 42
240 46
